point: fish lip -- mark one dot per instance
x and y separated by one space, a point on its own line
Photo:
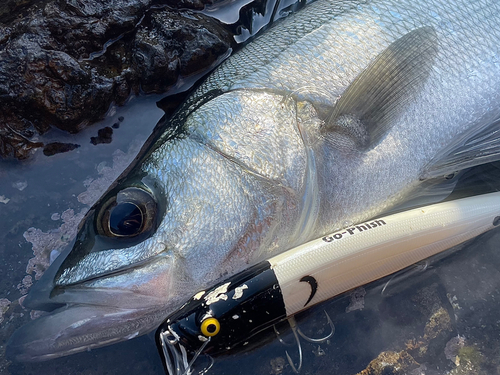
79 326
59 333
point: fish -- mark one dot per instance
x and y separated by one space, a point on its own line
230 313
343 111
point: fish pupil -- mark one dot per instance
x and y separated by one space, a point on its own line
211 328
125 219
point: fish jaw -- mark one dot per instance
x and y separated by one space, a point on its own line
74 329
95 313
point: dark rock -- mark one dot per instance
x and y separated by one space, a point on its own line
58 148
64 62
391 363
82 28
10 9
104 135
12 143
190 4
168 44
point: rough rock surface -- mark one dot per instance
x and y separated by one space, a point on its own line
64 62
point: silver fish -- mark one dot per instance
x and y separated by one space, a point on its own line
341 112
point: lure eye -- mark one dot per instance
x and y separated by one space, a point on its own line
130 213
210 327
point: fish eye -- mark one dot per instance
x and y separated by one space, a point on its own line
130 213
210 327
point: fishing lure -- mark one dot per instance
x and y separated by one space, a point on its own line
230 313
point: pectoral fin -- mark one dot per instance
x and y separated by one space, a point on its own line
369 106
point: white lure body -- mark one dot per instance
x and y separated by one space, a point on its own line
228 314
369 251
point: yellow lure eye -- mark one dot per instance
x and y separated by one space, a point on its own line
210 327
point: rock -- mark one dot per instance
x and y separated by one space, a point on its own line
391 363
58 147
439 322
104 135
453 347
469 361
168 44
277 365
10 8
64 62
4 306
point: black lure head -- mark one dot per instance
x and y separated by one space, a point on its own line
216 320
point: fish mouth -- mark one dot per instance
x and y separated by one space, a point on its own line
73 329
96 312
175 357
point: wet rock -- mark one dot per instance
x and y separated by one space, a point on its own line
58 147
428 337
357 300
439 322
170 44
4 306
10 8
190 4
14 144
64 62
391 363
25 284
453 347
438 329
277 365
469 361
104 135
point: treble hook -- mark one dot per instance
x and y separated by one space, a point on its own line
206 369
320 340
416 268
296 332
293 326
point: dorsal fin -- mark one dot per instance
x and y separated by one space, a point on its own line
366 110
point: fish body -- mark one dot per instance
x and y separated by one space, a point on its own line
231 312
337 114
